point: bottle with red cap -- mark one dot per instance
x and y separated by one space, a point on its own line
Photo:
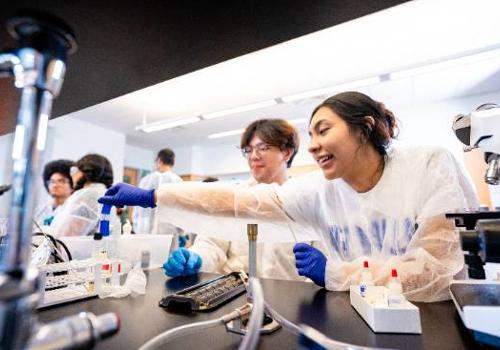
365 280
395 296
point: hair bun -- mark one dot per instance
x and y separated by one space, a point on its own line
388 116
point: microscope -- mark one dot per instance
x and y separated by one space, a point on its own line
38 66
478 300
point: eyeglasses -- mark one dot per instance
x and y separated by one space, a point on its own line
73 170
62 181
259 148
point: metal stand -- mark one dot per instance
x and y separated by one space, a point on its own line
239 325
269 325
38 65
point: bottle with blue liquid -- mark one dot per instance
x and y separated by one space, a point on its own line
366 279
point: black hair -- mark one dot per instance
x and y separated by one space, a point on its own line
274 132
60 166
95 169
210 179
353 107
166 156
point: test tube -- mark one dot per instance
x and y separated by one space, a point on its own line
252 232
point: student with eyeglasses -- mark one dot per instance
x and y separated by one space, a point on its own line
58 183
269 146
371 201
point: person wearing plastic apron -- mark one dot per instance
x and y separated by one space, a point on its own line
370 202
269 146
79 216
144 219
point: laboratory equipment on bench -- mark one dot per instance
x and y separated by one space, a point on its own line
246 320
242 325
207 295
478 300
38 65
385 309
249 320
382 316
66 282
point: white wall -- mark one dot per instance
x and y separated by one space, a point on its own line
139 158
184 160
72 139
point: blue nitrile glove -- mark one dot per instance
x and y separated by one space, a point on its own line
125 194
182 262
310 262
48 220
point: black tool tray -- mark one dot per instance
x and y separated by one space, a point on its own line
207 295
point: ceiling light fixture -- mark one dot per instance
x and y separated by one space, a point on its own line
239 109
167 124
226 133
332 89
445 64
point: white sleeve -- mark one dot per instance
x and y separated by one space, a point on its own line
303 199
213 253
433 255
223 210
79 216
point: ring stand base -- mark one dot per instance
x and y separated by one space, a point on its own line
269 325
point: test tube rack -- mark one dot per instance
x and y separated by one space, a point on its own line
373 307
74 280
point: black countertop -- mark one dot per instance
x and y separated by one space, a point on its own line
300 302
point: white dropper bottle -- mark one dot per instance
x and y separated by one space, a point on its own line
395 296
366 279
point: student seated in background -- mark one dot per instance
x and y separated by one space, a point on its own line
269 146
58 183
370 202
79 216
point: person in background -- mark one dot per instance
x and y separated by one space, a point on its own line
79 216
58 183
269 146
144 218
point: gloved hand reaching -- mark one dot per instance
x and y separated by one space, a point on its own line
310 262
182 262
125 194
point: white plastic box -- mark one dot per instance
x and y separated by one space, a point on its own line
381 318
130 247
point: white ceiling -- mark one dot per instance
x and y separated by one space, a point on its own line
159 102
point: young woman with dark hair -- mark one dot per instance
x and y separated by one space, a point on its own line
369 202
91 176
